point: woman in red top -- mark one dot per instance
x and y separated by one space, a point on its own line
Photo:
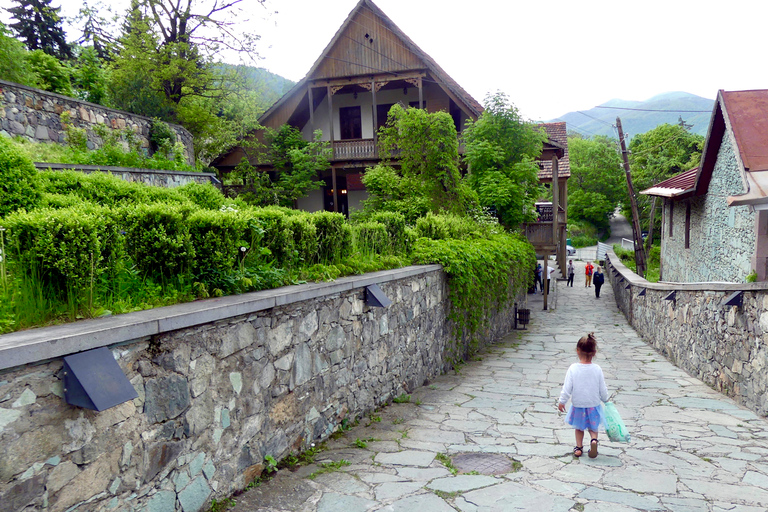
588 274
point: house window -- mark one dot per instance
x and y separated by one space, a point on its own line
688 225
671 216
350 123
381 114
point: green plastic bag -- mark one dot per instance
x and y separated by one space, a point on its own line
614 425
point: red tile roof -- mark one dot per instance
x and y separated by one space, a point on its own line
558 134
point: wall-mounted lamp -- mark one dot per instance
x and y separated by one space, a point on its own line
642 293
671 296
621 280
94 380
628 287
374 297
734 299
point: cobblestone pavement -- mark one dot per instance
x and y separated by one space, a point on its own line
692 449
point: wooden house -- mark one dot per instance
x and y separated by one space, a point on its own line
715 216
368 66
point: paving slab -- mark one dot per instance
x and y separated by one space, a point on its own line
692 449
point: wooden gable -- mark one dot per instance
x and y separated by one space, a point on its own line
364 45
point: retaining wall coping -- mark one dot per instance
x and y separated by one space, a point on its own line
635 280
133 170
45 343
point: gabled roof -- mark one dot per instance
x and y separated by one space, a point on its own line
675 186
743 114
558 138
385 65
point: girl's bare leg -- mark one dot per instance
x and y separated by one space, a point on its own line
580 437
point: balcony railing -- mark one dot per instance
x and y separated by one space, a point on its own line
357 149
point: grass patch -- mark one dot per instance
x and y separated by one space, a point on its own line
330 467
446 461
402 399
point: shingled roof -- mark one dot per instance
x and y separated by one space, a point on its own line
558 137
675 186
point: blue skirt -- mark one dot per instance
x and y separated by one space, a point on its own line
586 418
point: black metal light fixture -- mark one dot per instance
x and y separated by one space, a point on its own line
94 380
672 296
628 286
375 297
642 293
734 299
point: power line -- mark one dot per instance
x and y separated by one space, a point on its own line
592 117
654 110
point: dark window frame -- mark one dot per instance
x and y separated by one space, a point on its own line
350 123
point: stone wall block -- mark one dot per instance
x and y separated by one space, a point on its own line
158 456
166 398
279 337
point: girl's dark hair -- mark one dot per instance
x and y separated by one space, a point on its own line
587 345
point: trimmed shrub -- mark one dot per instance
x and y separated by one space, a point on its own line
18 179
217 238
371 237
203 195
275 234
65 249
304 238
395 224
158 240
334 236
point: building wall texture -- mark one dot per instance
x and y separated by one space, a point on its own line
216 398
724 346
722 238
36 115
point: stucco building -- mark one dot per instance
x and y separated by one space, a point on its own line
715 217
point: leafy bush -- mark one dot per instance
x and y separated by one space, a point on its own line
334 236
276 236
441 227
395 224
480 273
371 238
158 240
583 241
304 238
18 179
217 238
65 249
203 195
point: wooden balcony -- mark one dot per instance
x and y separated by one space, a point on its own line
355 149
540 235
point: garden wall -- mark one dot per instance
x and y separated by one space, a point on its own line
724 346
36 115
221 382
154 177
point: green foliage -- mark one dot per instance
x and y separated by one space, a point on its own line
39 26
334 236
161 136
483 274
441 227
89 77
158 239
427 149
18 179
329 467
13 60
597 184
398 240
751 277
402 399
218 240
203 195
501 150
388 191
657 155
370 237
51 75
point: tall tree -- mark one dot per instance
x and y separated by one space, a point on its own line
97 31
659 154
596 186
39 26
13 61
501 148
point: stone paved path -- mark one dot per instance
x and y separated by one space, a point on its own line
692 449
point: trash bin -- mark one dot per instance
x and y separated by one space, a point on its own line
524 316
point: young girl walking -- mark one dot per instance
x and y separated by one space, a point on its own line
585 386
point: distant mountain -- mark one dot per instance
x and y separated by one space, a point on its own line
641 116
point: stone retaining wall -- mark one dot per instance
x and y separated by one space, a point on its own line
268 373
724 346
154 177
36 115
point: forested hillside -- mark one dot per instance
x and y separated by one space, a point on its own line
641 116
151 59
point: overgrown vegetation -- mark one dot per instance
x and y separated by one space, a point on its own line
653 261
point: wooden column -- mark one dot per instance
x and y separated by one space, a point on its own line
375 118
421 95
311 110
333 168
556 210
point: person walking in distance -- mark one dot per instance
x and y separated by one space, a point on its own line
585 386
588 274
598 279
571 272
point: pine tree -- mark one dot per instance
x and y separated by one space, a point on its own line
39 26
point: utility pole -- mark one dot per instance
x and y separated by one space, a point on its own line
639 249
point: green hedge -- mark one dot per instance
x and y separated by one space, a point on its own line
371 238
66 248
442 227
218 239
334 236
18 179
399 241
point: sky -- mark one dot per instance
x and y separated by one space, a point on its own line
549 58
